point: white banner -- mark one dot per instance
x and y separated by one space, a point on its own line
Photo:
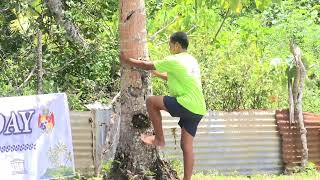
35 137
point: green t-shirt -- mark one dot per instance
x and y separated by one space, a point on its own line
184 81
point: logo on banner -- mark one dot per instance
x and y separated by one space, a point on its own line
46 120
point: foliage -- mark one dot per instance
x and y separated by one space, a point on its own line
107 165
86 75
243 65
309 170
177 165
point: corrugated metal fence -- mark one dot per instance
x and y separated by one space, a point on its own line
82 139
291 140
238 142
246 142
89 133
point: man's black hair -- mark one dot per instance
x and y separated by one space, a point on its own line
181 38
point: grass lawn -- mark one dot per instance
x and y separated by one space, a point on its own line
301 176
309 173
201 176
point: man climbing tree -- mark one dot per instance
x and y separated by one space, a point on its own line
186 100
133 159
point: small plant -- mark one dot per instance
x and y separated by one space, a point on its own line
107 165
150 173
176 164
310 169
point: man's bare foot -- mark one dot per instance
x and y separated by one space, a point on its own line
152 140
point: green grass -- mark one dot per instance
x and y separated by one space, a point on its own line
200 176
309 173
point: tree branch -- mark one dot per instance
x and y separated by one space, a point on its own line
153 37
65 65
4 10
39 63
34 10
55 6
27 79
192 28
222 23
115 98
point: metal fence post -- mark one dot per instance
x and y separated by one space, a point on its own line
100 118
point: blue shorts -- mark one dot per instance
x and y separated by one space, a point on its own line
188 120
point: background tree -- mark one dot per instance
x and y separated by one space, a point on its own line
297 74
249 48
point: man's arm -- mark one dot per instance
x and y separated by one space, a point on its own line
146 65
163 76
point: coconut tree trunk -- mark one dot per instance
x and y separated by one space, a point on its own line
133 159
297 97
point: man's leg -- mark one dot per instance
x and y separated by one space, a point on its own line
186 144
154 105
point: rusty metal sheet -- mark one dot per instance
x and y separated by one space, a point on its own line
291 142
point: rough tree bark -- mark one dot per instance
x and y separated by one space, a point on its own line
39 63
133 159
291 102
56 8
297 99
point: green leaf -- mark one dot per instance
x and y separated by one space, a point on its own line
21 24
234 4
276 1
199 3
36 4
262 4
